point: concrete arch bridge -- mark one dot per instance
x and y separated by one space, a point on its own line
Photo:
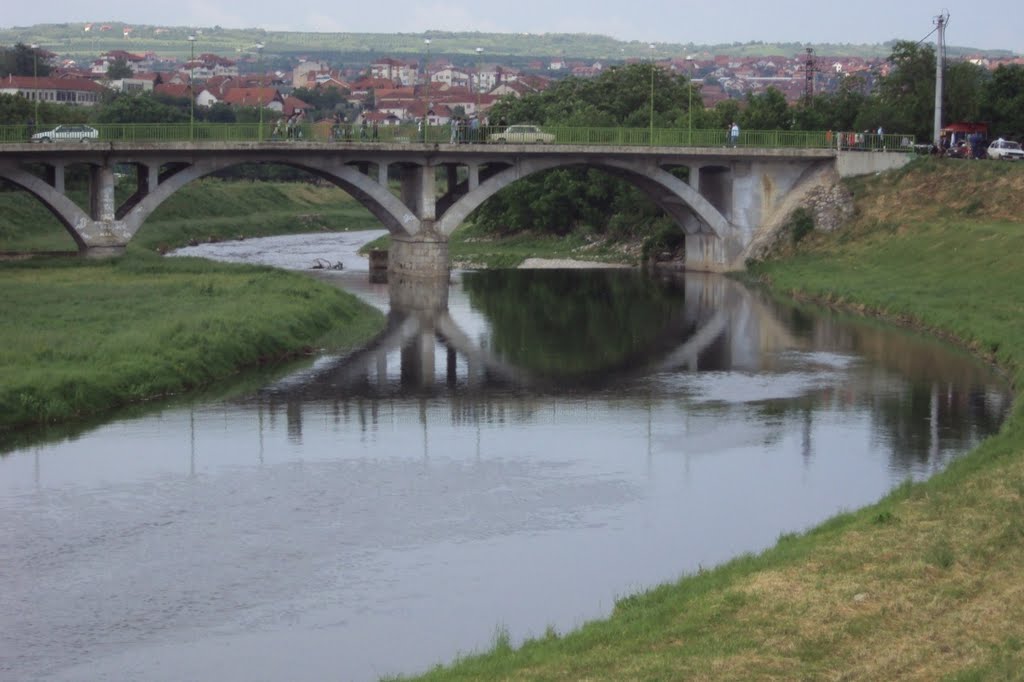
730 193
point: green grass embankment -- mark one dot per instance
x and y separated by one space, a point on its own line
925 584
82 337
79 338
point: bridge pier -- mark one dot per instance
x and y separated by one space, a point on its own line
103 235
422 256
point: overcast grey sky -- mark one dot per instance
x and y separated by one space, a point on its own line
996 24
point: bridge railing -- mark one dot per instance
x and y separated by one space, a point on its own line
412 134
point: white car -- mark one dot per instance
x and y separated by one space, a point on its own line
68 132
522 134
1005 149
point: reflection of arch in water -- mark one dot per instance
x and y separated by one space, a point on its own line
717 320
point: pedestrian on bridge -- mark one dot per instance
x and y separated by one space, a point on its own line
734 134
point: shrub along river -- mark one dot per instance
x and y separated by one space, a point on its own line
515 452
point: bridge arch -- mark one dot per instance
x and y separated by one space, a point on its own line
375 197
667 191
67 212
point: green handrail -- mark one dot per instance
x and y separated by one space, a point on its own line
410 133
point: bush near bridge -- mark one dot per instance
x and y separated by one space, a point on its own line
923 585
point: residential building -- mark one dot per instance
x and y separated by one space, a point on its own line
75 91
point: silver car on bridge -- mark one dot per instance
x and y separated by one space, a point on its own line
68 132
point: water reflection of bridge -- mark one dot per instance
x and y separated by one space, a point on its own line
716 325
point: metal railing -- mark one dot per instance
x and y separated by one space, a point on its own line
412 134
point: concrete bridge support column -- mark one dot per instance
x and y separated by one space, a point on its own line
474 176
104 235
101 193
147 177
55 177
424 254
419 191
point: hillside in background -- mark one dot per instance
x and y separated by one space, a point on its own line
73 40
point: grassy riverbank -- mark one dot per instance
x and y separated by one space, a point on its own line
82 337
923 585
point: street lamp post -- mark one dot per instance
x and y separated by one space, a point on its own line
426 103
479 81
652 94
259 91
35 80
689 105
191 87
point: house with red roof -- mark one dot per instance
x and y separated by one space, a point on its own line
268 98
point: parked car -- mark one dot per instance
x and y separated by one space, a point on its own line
961 150
68 132
522 134
1005 149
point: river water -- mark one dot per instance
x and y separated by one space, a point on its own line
514 453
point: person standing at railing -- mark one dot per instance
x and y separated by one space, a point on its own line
734 134
881 139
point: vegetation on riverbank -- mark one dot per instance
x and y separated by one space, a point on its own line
83 337
922 585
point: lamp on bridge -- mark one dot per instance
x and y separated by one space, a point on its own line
426 101
651 139
191 91
259 91
689 104
35 80
479 81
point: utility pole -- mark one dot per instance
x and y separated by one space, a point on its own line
941 22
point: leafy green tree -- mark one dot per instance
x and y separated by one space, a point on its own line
767 111
23 60
218 112
324 100
143 108
724 114
1003 102
15 110
119 69
836 110
906 101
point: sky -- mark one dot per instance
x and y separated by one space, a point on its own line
998 26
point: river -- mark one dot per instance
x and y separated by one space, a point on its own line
513 454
